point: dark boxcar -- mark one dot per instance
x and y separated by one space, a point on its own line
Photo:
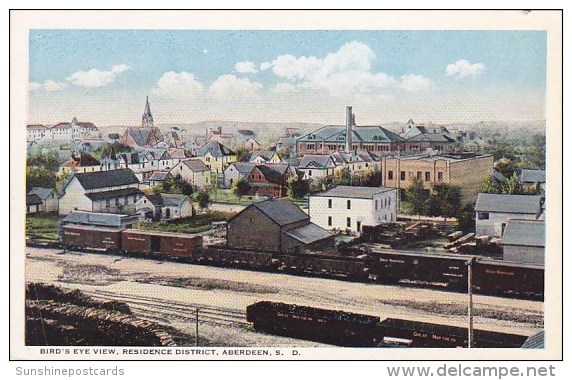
508 278
222 256
402 332
328 326
393 266
87 237
163 243
327 265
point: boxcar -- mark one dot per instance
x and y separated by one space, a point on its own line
222 256
326 265
321 325
407 333
162 243
88 237
508 278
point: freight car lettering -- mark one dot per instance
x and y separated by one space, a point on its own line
395 261
419 335
136 239
498 271
71 233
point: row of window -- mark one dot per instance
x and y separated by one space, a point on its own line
348 204
348 221
386 202
418 175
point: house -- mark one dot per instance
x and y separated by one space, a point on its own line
269 180
275 225
164 206
493 211
74 130
264 157
316 166
215 134
523 241
236 171
38 132
216 156
34 204
252 144
335 138
96 219
110 191
531 178
351 207
158 177
420 138
136 161
48 196
194 171
465 170
80 163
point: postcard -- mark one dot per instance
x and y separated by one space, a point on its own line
286 185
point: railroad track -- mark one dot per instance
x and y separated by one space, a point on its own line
162 311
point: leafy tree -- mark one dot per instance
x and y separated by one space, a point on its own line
46 160
241 188
242 154
298 187
417 197
342 176
489 186
512 186
505 166
203 198
466 218
445 200
37 176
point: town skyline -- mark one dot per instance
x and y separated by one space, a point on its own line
286 76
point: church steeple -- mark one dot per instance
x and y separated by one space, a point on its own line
147 118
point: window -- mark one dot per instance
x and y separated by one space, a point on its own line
390 175
389 202
376 204
116 201
403 176
329 203
483 216
418 175
348 222
427 176
329 221
440 176
349 204
309 173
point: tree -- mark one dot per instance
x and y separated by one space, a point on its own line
298 187
489 186
342 176
512 186
466 219
203 198
242 154
417 197
241 187
37 176
445 200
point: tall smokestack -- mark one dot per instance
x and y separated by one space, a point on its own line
349 123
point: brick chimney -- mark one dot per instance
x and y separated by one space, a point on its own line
349 124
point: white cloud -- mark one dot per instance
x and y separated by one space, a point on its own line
229 85
245 67
346 70
463 68
48 85
178 85
95 77
415 83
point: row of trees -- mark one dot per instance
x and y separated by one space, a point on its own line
511 186
177 185
42 171
443 199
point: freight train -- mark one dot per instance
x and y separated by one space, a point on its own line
360 330
359 264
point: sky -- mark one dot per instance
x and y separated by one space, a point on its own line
104 76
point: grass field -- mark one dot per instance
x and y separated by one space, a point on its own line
226 196
191 224
42 226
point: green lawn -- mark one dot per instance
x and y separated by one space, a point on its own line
226 196
42 226
191 224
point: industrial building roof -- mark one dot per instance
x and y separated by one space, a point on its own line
526 233
336 133
532 176
281 211
363 192
308 234
97 219
509 203
107 178
101 195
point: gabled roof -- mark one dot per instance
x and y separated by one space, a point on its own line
508 203
155 199
532 176
526 233
133 158
177 153
364 192
33 199
431 137
266 155
159 176
42 192
108 178
281 211
274 173
308 234
173 200
243 168
101 195
140 135
195 165
215 148
36 126
367 134
315 160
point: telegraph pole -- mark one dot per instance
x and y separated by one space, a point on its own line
197 327
470 306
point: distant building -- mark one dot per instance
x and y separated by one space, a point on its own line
194 171
110 191
313 166
48 196
34 204
216 156
164 206
530 178
264 157
216 134
523 241
493 211
420 138
158 177
96 219
269 180
275 225
236 171
38 132
252 144
80 163
147 134
351 207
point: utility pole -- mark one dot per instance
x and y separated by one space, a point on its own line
470 306
197 327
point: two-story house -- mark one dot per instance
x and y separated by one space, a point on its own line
194 171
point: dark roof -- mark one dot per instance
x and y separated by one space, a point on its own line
196 165
274 173
155 199
97 219
33 199
243 168
336 133
134 158
281 211
533 176
108 178
159 176
308 234
535 341
363 192
508 203
315 160
113 194
215 148
498 176
526 233
42 192
173 199
140 135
